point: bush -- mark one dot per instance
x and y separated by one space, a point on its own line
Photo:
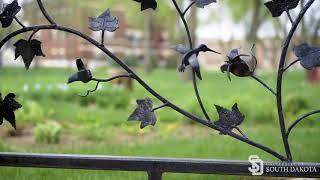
294 105
48 133
31 112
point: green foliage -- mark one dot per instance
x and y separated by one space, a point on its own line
49 132
100 126
295 105
32 112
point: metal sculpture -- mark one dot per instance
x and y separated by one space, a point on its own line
242 65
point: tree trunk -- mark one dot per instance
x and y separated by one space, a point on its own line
255 22
315 34
147 42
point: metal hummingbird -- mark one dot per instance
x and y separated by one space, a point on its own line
191 57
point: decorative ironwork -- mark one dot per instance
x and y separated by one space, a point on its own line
190 57
146 4
238 64
308 56
241 65
7 107
144 113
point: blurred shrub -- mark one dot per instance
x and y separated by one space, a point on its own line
172 63
48 133
194 108
31 112
295 105
113 97
106 97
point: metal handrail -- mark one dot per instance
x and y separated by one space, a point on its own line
155 167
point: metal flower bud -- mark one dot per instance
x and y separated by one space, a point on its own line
241 65
84 75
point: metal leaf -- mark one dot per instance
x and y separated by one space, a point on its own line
105 21
309 56
28 50
144 113
277 7
84 75
146 4
203 3
7 107
8 13
229 119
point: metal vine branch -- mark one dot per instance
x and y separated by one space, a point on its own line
239 64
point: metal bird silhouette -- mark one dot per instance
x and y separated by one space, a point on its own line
241 65
7 107
309 56
144 113
191 57
277 7
8 13
104 22
146 4
84 75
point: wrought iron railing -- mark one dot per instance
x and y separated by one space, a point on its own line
156 167
238 63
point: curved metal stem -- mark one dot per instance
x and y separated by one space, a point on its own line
104 80
264 84
145 85
113 78
198 96
241 132
292 63
299 120
91 91
33 33
102 38
191 47
187 9
45 13
19 22
159 107
184 22
280 74
289 16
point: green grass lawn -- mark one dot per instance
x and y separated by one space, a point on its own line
98 124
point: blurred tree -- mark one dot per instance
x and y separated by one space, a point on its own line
71 13
251 9
148 21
